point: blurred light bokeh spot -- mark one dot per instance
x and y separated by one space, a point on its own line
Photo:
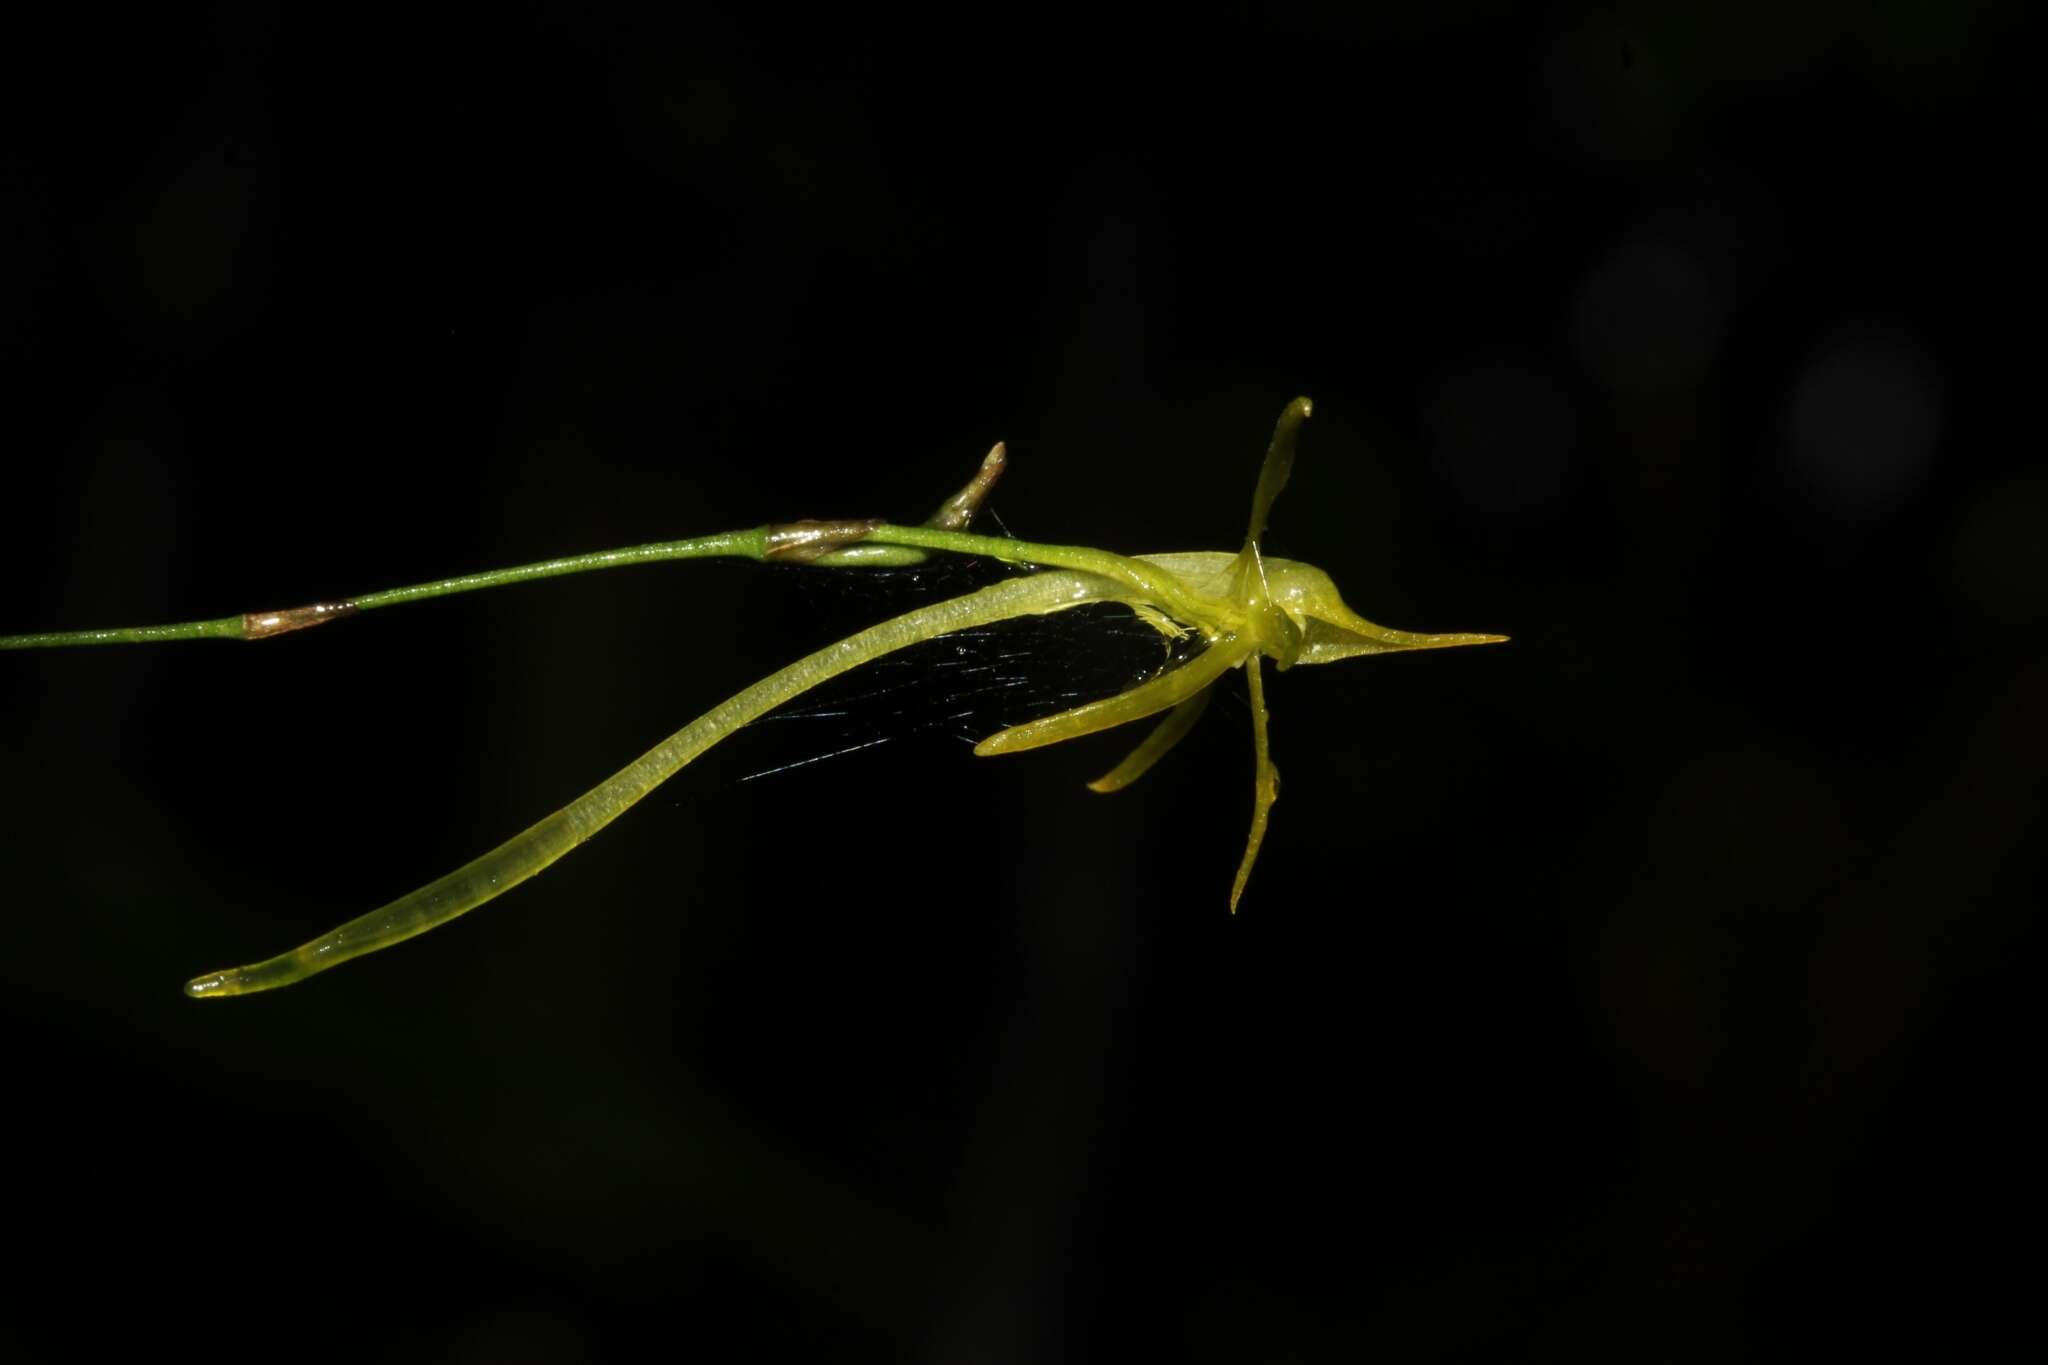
1608 96
1863 419
1504 438
1999 552
1649 320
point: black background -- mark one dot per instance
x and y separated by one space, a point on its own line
1662 985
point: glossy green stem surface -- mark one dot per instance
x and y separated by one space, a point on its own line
1155 586
251 625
